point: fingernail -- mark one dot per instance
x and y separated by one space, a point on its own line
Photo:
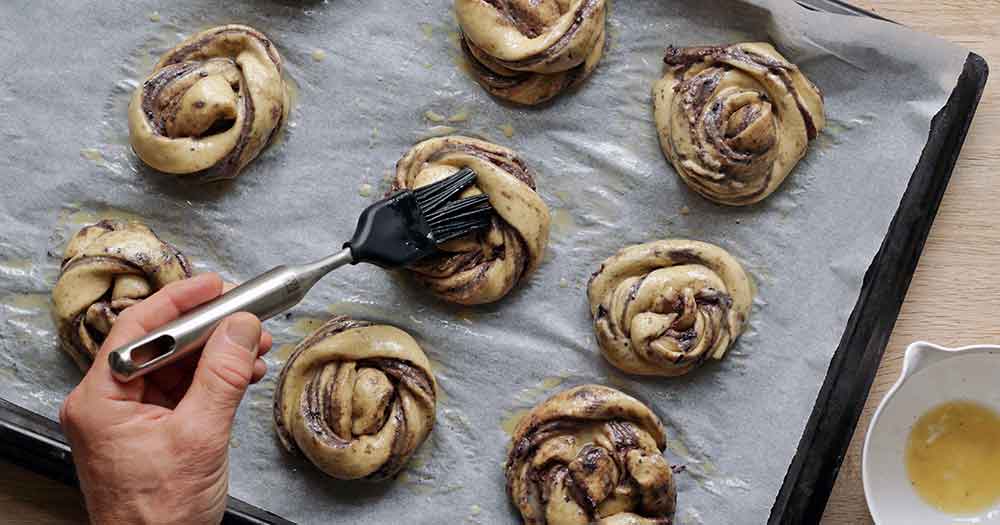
243 331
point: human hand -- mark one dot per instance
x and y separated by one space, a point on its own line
156 449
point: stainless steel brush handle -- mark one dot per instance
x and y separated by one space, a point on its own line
264 296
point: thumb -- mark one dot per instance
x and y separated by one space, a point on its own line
224 372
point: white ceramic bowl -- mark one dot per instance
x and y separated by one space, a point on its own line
931 375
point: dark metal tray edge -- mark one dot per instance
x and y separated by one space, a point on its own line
841 399
36 443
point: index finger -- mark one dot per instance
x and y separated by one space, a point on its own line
136 321
163 306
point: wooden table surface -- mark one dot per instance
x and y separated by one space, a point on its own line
955 292
952 300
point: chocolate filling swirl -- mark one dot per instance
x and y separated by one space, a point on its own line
590 454
483 267
664 307
735 120
108 267
357 399
211 105
528 51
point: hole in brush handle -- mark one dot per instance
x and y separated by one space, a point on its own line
127 364
152 350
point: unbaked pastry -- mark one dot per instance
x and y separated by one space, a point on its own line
108 267
528 51
591 454
735 120
357 399
211 105
483 267
664 307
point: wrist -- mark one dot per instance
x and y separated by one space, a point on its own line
114 513
152 506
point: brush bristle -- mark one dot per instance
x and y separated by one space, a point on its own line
460 217
433 196
410 225
447 218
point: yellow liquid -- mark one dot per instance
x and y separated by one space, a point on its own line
953 457
307 325
509 423
284 352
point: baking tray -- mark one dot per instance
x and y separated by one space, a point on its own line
35 442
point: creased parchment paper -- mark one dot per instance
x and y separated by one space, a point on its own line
372 78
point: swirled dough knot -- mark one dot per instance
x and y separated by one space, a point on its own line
591 454
108 267
528 51
357 399
663 307
211 105
735 120
483 267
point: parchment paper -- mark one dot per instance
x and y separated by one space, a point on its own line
366 74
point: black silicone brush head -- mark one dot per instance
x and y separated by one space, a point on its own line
411 224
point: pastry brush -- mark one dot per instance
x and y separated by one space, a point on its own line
402 229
